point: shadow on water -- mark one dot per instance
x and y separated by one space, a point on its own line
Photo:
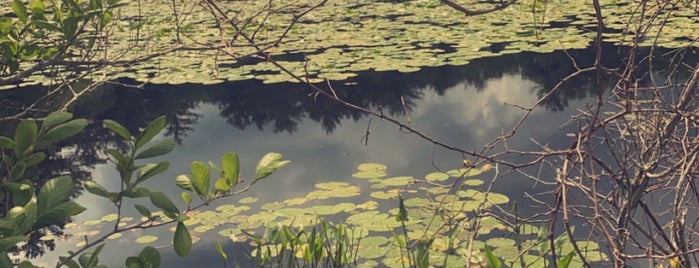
287 108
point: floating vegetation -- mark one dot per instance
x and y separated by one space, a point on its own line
342 38
431 211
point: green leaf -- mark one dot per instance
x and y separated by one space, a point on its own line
96 189
6 225
402 212
20 10
184 182
58 214
222 185
94 258
542 238
150 256
220 251
86 260
136 192
150 131
269 163
161 148
27 264
34 159
163 202
69 262
150 170
231 168
134 262
200 178
187 198
565 261
56 118
182 241
54 192
10 241
6 143
117 128
25 135
491 259
21 192
64 131
70 26
143 210
17 171
118 156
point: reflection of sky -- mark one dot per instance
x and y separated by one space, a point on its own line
462 117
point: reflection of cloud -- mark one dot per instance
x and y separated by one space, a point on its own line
484 112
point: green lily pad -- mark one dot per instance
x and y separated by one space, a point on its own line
146 239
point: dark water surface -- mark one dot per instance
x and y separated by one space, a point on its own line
462 106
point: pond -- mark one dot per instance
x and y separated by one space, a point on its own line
464 106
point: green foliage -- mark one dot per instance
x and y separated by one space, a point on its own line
28 211
322 245
48 30
31 210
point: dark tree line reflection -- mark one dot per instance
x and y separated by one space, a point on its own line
280 107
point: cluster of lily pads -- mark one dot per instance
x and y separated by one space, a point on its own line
432 211
342 38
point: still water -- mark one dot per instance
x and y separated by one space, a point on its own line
465 106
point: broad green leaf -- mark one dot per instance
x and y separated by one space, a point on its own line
70 26
23 217
56 118
143 210
137 192
69 262
86 260
220 251
184 182
150 256
6 262
222 185
17 171
150 170
96 189
20 10
182 240
269 163
163 202
21 192
25 135
150 131
118 156
64 131
134 262
10 241
6 225
34 159
27 264
491 259
117 128
161 148
231 168
6 143
200 178
54 192
58 214
565 261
